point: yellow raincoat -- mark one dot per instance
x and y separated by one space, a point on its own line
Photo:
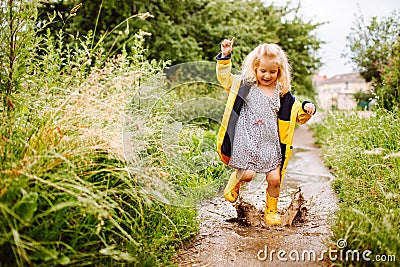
291 111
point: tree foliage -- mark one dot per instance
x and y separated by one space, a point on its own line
371 42
389 89
188 30
374 48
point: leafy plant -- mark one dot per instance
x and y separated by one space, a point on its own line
18 41
389 90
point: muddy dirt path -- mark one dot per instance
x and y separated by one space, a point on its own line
222 241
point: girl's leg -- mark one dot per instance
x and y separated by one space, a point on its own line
246 175
231 192
274 182
272 192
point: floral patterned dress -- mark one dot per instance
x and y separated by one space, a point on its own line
256 142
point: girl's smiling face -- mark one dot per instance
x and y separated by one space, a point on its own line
267 72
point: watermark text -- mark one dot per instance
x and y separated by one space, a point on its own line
341 254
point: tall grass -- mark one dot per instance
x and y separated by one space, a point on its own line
68 195
181 143
365 155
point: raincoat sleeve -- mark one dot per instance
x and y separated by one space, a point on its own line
224 75
303 116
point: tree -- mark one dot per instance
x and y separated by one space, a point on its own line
296 38
169 34
191 30
389 89
370 43
374 48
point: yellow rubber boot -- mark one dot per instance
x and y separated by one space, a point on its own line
270 215
231 192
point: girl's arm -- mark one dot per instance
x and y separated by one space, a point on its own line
224 64
306 111
224 75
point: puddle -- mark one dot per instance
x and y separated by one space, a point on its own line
226 241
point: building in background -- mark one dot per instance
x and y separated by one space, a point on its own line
338 92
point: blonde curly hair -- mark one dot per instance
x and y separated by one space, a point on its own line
270 51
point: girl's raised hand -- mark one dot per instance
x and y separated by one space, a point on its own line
226 46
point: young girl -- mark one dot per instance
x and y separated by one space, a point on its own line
256 132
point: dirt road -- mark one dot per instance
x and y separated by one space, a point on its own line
222 241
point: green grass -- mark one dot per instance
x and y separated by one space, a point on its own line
69 197
63 203
362 153
69 194
181 140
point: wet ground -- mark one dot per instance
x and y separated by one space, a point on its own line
224 241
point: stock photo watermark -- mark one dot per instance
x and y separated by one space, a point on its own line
309 255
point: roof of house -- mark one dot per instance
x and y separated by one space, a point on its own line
352 77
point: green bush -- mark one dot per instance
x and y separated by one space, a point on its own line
389 89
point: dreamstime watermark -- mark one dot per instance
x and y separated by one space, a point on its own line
341 254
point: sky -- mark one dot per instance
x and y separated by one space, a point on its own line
340 17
